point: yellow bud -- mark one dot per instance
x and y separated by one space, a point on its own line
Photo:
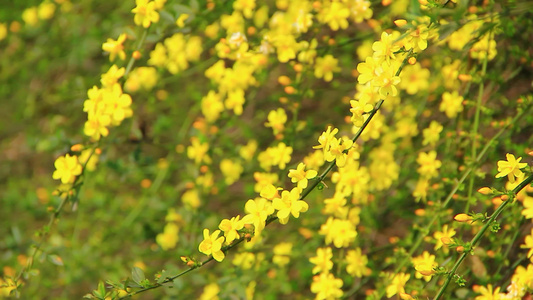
485 191
462 218
77 147
400 22
284 80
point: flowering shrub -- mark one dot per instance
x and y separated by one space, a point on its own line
304 149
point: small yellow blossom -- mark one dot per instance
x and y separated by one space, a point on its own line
180 22
443 237
169 238
282 252
325 66
115 47
288 204
276 120
322 260
230 227
356 263
339 232
424 265
30 16
231 170
326 286
300 176
257 212
397 285
451 104
67 168
487 293
429 164
432 133
510 168
528 244
145 13
210 292
212 245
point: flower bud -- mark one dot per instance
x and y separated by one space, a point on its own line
462 218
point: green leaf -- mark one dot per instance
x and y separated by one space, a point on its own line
56 260
137 275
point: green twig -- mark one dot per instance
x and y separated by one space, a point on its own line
480 234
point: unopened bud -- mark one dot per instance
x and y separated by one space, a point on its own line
485 190
504 197
136 55
462 218
400 22
460 249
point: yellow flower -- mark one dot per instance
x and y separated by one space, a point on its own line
145 13
339 232
325 66
67 168
230 227
30 16
198 151
398 284
451 104
180 22
367 70
115 47
431 134
335 14
212 245
510 168
169 238
356 263
444 237
235 101
3 31
288 204
210 292
385 48
212 106
360 10
258 210
528 244
46 10
246 6
336 151
96 125
112 76
429 164
387 80
322 260
326 286
325 139
487 293
424 265
414 79
359 109
282 252
300 176
231 170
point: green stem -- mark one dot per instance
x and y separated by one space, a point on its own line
480 234
132 60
